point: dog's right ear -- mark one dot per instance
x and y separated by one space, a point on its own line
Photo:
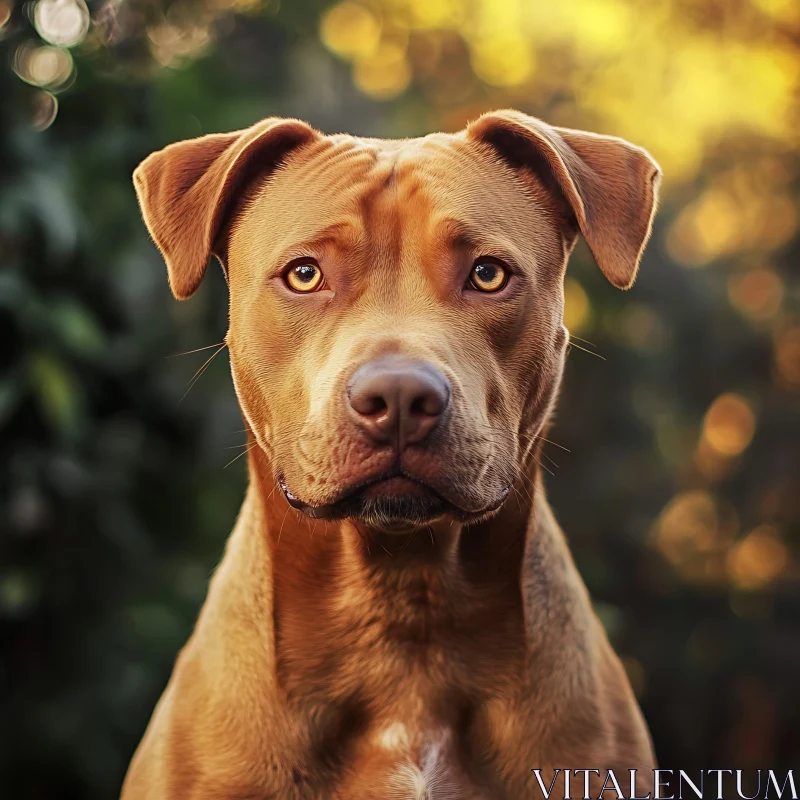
187 190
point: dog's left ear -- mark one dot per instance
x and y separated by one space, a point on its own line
610 185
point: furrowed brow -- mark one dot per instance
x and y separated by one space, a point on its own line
340 234
479 242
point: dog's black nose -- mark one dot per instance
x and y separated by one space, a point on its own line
398 399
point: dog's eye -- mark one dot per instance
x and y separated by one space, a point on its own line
304 277
487 276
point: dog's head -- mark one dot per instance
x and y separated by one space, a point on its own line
396 307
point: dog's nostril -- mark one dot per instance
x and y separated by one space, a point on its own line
373 405
427 405
418 406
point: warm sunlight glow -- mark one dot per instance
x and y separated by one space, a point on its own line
350 30
729 425
577 309
758 559
384 74
757 294
693 533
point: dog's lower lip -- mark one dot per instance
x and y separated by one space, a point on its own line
332 511
394 480
396 484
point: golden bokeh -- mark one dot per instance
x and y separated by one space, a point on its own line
647 71
739 213
577 309
430 14
502 60
729 425
383 74
757 294
693 533
708 228
758 559
350 30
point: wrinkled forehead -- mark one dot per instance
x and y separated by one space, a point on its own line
438 186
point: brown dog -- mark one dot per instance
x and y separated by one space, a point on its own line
397 614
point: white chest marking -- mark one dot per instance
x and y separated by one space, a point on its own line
424 772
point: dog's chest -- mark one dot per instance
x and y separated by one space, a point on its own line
400 762
395 689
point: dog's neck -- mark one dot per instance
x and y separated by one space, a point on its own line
340 592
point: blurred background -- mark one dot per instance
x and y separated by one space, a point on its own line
680 490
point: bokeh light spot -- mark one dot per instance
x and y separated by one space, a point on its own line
757 294
705 230
693 533
43 65
61 22
44 110
171 42
729 425
434 13
603 26
758 559
577 308
350 30
384 74
502 60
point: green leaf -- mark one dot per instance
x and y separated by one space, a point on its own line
78 328
57 390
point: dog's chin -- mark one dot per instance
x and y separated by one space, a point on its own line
394 504
399 513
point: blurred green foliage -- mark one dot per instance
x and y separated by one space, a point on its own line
678 493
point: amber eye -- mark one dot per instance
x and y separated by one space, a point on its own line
305 277
486 276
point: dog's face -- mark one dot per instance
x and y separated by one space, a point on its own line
396 307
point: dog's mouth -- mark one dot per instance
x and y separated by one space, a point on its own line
392 502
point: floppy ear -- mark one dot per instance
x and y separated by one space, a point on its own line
610 185
187 190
